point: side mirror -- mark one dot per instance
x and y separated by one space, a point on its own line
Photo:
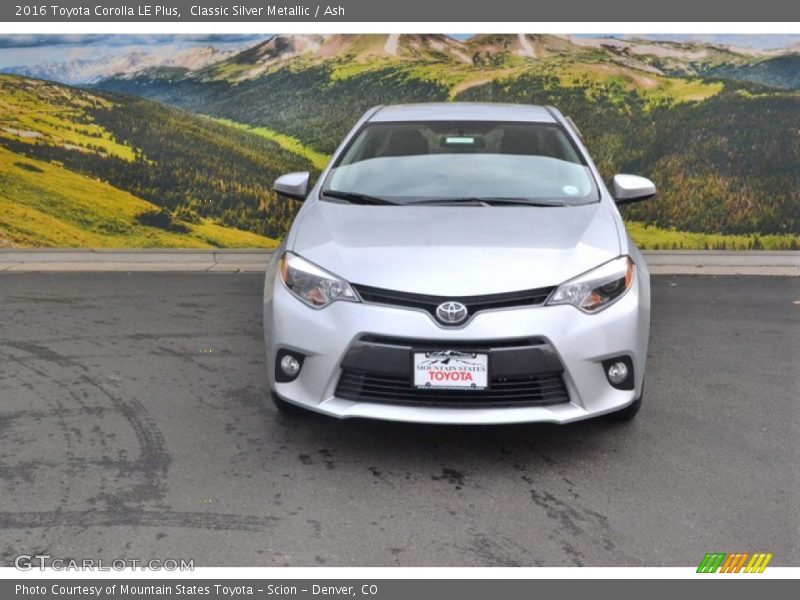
632 188
292 185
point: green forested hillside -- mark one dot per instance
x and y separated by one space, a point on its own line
189 170
718 131
43 204
722 165
778 71
308 104
724 154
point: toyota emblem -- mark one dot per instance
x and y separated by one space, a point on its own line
451 313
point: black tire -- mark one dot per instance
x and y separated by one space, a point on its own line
627 413
284 407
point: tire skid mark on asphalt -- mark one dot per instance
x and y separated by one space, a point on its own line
140 337
50 357
33 413
153 460
135 517
45 354
494 551
24 364
40 299
23 470
57 408
187 357
152 463
573 523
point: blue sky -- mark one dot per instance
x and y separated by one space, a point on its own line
760 41
35 49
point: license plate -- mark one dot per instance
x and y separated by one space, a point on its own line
451 369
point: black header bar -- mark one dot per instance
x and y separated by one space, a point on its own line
453 11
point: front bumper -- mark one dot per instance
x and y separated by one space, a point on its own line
580 342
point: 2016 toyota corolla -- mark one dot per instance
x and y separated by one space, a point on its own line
459 263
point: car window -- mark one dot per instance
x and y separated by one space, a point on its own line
409 162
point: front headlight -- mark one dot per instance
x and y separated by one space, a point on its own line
312 284
598 288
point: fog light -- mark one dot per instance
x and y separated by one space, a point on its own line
617 372
291 366
288 364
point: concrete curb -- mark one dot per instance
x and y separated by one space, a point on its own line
723 262
661 262
133 260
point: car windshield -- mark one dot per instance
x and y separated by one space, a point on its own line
446 161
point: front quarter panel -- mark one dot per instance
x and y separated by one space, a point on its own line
643 289
313 195
268 307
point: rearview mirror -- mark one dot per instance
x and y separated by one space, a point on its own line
292 185
632 188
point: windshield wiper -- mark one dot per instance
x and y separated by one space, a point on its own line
488 201
355 197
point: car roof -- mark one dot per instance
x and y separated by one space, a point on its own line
462 111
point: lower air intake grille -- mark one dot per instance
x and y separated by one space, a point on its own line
538 390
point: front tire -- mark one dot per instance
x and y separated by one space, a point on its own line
284 407
628 413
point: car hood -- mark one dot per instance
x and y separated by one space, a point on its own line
456 251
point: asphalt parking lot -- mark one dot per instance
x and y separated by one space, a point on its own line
133 424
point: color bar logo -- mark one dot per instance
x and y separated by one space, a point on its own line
736 562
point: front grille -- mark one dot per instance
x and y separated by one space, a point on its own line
474 304
473 345
534 390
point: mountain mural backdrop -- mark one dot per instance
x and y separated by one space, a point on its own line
188 146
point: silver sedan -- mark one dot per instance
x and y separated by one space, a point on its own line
459 263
